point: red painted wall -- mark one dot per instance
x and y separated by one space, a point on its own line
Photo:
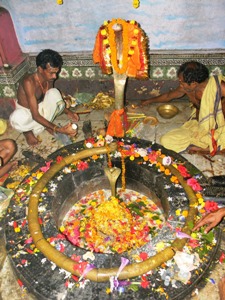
10 52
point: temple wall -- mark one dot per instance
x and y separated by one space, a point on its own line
177 30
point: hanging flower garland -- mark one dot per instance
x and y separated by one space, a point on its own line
133 61
136 3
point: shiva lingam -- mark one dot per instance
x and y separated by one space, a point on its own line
121 50
113 174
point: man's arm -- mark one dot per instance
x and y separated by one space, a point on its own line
211 220
29 89
166 97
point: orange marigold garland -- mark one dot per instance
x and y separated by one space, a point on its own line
134 60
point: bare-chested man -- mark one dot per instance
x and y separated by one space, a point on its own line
39 103
202 91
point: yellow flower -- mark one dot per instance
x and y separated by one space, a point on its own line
160 246
177 212
193 235
62 228
103 32
95 156
108 290
185 213
145 158
200 200
131 52
158 222
132 157
167 172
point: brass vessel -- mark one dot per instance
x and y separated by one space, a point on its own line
167 111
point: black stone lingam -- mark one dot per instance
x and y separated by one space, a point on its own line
47 281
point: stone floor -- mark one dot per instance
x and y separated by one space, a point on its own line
9 287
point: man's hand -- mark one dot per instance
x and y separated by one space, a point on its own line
211 220
67 129
72 115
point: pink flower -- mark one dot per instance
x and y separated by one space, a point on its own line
152 156
211 206
183 171
59 159
143 255
193 243
46 167
194 184
144 282
222 258
82 165
81 266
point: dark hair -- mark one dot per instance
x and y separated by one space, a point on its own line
193 71
49 56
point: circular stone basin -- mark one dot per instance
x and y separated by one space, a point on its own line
51 195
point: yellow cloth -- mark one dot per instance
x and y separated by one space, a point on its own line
198 133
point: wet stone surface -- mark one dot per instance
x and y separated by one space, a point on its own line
46 281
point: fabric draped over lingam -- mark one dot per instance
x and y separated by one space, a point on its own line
209 131
115 127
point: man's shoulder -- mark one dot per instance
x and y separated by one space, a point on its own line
28 78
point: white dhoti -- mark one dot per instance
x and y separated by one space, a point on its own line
53 105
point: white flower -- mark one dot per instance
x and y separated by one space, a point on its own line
60 177
83 283
166 160
142 152
89 255
43 260
108 139
41 208
67 170
53 266
70 285
89 145
117 154
166 187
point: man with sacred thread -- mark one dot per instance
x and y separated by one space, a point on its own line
39 103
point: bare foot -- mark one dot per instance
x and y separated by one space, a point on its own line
221 286
195 149
30 138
